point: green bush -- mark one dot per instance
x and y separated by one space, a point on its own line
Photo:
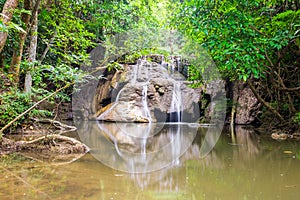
13 103
296 118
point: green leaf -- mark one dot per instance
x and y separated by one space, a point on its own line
3 28
16 27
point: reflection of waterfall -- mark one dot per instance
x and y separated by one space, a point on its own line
176 104
175 137
139 148
144 139
144 102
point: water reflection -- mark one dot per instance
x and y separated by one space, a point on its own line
248 144
255 168
140 148
137 148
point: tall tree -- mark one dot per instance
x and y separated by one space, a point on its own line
33 45
250 40
18 51
5 19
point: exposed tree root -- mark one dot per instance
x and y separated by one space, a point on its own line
54 143
52 146
62 127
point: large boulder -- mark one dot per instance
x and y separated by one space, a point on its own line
248 106
147 92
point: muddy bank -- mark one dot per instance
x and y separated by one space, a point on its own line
45 143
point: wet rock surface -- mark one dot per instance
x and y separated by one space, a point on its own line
146 92
248 107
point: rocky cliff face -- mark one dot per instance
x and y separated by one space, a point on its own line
147 92
154 90
247 105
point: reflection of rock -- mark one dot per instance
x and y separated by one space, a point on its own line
248 143
147 80
296 136
281 136
136 147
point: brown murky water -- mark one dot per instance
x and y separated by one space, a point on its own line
252 168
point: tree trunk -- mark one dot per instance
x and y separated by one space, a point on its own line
33 45
17 55
1 60
47 48
6 17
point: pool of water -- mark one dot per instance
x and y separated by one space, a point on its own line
249 167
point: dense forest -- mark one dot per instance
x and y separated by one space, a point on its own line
44 43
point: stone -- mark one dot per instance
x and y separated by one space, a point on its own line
161 91
130 104
248 106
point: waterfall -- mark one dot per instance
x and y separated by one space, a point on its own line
146 74
145 104
178 62
176 104
172 65
100 117
163 63
135 71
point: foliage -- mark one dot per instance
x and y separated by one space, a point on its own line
245 39
238 34
15 102
70 39
296 118
65 45
248 40
109 18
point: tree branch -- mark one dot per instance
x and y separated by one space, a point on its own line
295 89
32 107
266 104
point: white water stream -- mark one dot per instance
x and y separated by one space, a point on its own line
176 104
145 104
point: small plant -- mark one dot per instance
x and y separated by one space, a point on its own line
12 104
296 118
114 66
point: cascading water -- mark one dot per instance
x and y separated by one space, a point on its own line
176 104
172 65
100 117
144 102
175 116
135 71
178 62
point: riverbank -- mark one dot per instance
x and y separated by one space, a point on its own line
45 138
